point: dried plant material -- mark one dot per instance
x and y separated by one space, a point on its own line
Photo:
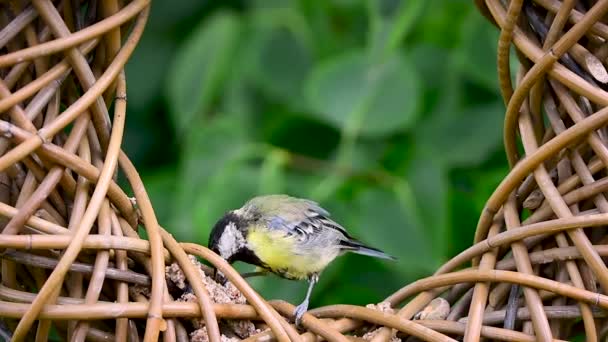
200 335
221 294
232 330
595 68
534 200
190 298
242 328
437 309
174 273
382 307
139 290
371 334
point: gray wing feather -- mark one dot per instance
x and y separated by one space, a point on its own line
305 220
294 216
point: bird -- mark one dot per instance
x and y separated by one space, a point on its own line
291 237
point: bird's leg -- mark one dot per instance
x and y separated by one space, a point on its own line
303 307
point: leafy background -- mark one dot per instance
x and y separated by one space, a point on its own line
386 112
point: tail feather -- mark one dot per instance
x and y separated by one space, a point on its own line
359 248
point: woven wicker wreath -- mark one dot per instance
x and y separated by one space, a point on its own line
73 262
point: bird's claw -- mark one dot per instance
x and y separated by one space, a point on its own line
299 312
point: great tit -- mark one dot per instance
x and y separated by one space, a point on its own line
291 237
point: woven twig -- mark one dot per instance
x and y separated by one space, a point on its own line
544 226
72 258
71 255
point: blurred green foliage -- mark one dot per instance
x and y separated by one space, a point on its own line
386 112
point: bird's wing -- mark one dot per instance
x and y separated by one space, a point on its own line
303 217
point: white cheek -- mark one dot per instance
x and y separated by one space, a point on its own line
231 241
225 245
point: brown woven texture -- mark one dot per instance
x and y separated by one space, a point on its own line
74 264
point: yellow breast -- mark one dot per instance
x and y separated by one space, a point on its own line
282 255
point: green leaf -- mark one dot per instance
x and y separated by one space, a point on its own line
356 96
272 173
486 183
200 68
145 78
429 184
359 280
464 214
431 64
274 287
210 205
281 61
366 156
335 26
390 23
386 221
207 149
160 185
469 192
477 55
439 24
165 15
465 138
299 183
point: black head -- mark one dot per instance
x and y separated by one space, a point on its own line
227 237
